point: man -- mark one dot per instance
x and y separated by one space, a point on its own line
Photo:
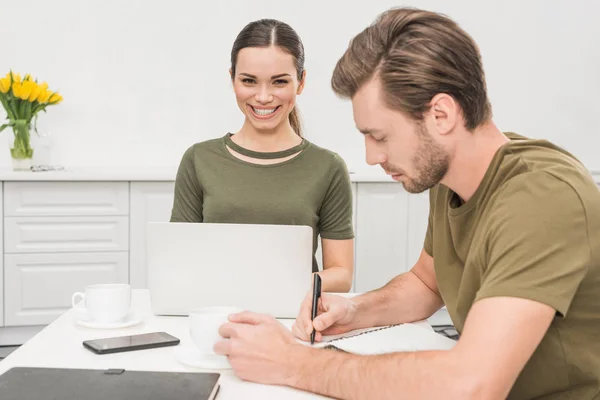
512 247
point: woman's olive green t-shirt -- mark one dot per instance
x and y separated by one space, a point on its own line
313 188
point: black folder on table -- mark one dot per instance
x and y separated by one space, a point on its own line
23 383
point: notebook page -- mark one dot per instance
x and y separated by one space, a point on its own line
403 337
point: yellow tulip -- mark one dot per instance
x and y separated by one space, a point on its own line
16 78
4 85
44 85
55 98
35 93
44 96
17 89
27 88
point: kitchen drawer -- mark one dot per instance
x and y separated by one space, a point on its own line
65 198
65 234
41 285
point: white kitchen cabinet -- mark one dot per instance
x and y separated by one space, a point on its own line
59 237
382 232
150 202
65 198
41 285
64 234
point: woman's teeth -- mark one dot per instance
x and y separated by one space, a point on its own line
264 111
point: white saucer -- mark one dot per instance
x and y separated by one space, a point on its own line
192 357
130 319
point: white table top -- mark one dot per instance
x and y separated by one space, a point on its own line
59 345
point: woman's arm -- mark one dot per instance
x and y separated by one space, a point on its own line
338 265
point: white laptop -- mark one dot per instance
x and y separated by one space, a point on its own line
260 268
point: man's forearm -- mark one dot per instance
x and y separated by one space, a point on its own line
404 299
426 375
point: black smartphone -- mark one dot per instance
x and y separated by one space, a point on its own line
129 343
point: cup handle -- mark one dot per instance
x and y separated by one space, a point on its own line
75 295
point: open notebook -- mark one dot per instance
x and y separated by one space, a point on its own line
388 339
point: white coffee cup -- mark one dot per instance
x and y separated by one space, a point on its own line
105 303
204 327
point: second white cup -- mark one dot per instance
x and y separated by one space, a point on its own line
105 303
204 326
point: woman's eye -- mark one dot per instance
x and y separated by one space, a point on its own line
281 82
248 80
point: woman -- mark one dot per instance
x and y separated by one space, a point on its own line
267 173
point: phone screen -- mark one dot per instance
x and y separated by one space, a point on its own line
134 342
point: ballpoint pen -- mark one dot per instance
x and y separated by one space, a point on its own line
315 303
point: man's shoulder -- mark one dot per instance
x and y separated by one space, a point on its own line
539 170
547 186
539 201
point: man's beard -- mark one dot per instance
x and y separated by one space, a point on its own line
430 163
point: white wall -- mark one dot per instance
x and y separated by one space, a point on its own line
143 80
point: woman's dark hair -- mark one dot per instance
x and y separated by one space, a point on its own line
271 32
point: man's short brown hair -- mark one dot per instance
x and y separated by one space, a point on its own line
416 54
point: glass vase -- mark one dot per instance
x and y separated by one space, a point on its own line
21 151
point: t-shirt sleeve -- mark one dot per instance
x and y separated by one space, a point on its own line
335 214
537 243
428 243
188 196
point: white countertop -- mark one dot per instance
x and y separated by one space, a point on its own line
157 174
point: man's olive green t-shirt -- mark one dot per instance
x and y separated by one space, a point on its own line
531 230
313 188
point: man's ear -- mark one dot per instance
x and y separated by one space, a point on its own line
445 111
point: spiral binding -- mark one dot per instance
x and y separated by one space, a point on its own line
331 346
